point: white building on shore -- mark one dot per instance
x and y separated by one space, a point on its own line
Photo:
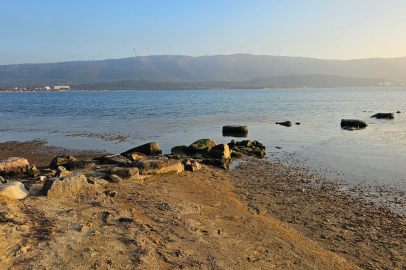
61 87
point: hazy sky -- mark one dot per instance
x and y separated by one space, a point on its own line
53 31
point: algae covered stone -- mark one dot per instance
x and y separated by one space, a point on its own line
202 146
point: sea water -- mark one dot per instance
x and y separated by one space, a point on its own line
376 154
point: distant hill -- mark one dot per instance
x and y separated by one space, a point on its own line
289 81
226 68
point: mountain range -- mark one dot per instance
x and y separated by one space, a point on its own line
231 70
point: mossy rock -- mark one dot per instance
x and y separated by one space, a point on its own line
236 154
222 163
201 146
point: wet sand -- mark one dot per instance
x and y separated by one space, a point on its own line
261 215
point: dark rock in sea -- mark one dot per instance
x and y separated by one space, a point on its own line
297 123
149 149
220 151
353 123
181 150
17 167
285 123
60 185
151 166
398 112
235 131
126 173
61 160
202 146
246 147
384 116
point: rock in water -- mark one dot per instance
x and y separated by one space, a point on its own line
126 173
65 184
285 123
17 167
235 131
202 146
149 149
353 123
61 160
12 191
220 151
384 116
152 166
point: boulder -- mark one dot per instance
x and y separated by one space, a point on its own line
61 160
220 151
96 181
353 123
65 184
235 131
285 123
149 149
80 164
202 146
62 171
2 180
384 116
131 173
12 191
17 167
151 166
180 150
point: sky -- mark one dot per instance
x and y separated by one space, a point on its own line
45 31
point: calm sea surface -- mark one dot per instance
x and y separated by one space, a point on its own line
373 155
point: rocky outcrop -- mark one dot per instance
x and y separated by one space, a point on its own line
65 184
285 123
384 116
235 131
202 146
12 191
61 160
246 147
17 167
149 149
125 173
181 150
353 123
80 164
220 151
151 166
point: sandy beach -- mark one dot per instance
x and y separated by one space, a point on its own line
261 215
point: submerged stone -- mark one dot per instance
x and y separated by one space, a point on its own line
353 123
384 116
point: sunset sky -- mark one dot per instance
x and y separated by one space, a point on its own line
54 31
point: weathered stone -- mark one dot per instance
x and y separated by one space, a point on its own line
62 171
152 166
114 159
236 131
65 184
12 191
384 116
61 160
17 167
353 123
233 142
202 146
285 123
180 150
115 178
220 151
149 149
195 166
125 173
222 163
